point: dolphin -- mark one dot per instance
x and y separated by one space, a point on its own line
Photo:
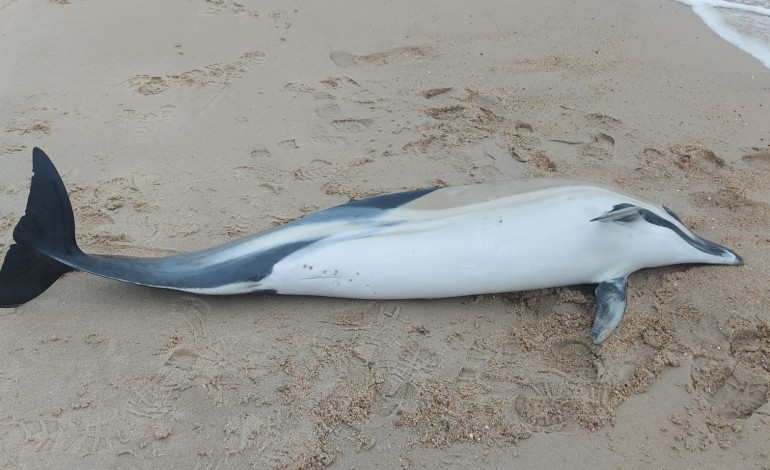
428 243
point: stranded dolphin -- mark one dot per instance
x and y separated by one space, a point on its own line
428 243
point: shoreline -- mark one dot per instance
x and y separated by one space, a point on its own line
707 10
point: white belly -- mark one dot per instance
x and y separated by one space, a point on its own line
519 248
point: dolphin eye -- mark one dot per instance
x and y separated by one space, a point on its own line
671 213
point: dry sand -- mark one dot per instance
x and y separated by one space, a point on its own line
185 123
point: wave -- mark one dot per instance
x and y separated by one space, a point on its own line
745 25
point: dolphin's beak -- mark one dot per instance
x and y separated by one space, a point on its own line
728 256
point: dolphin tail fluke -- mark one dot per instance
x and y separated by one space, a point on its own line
47 230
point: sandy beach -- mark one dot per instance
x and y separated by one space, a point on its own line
183 124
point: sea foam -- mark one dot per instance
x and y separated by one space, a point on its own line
743 23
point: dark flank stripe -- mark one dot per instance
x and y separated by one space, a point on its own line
364 209
697 242
626 212
200 270
672 214
187 270
390 201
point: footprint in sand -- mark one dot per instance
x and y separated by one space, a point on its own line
214 74
734 391
695 158
476 361
752 346
552 405
353 126
603 140
7 149
434 92
36 127
742 393
298 87
399 55
575 357
758 158
221 6
447 112
260 152
339 82
327 111
288 144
